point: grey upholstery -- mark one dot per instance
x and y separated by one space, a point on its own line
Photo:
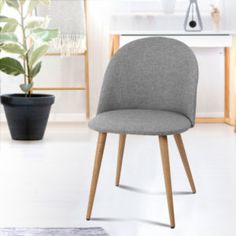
149 88
146 122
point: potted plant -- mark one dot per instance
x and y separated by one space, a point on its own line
26 39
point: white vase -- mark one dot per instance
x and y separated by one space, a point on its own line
168 6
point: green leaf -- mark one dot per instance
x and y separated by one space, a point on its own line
12 3
9 27
46 2
36 22
1 5
32 5
8 37
13 48
11 66
36 69
6 19
45 35
26 87
36 54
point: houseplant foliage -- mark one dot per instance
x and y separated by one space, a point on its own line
30 46
25 37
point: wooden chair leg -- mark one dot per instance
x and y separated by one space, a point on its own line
180 144
96 169
167 176
122 139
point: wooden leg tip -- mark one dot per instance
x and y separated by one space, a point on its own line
194 190
88 216
172 227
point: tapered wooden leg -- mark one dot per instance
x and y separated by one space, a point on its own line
180 144
96 170
167 176
122 139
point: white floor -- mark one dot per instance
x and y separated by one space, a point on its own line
46 183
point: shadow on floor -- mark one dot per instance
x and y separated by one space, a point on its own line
139 190
150 222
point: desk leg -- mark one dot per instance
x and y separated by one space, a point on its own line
227 85
111 47
115 44
86 68
235 111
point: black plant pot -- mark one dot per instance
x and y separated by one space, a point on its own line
27 117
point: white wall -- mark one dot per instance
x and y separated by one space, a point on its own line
71 69
156 5
68 71
59 71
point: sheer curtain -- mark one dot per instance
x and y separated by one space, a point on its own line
155 5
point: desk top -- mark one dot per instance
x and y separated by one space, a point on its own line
200 41
169 33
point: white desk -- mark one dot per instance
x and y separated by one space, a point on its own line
202 39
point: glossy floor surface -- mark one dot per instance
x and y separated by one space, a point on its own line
46 183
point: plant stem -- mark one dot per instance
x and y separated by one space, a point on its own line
27 77
24 44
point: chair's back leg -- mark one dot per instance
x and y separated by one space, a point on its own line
122 139
96 170
167 176
180 144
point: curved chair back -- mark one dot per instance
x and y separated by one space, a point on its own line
152 73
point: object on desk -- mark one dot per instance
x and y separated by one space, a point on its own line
215 16
168 6
193 21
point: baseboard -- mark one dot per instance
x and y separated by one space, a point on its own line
70 117
81 117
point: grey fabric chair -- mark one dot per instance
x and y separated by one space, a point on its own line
149 88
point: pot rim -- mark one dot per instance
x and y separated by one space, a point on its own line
22 100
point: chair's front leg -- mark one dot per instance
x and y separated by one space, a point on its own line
180 145
96 169
167 176
122 139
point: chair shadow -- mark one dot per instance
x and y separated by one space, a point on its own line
142 191
150 222
139 190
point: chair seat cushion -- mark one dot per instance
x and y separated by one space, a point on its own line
143 122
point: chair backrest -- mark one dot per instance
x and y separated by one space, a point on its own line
152 73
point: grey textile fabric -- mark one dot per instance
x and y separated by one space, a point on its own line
96 231
153 73
143 122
